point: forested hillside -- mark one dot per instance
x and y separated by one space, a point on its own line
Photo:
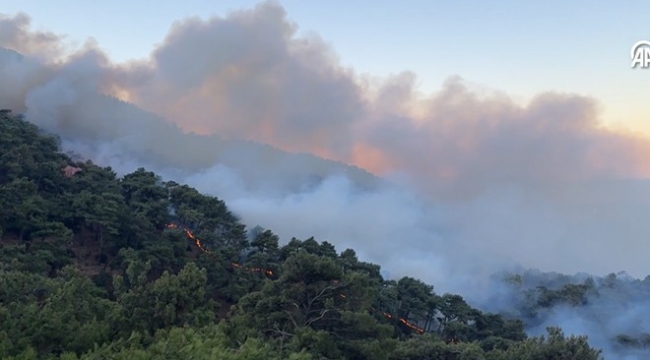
93 266
613 308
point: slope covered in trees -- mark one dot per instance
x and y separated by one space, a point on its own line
613 309
93 266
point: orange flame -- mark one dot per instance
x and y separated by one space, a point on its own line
270 272
191 236
197 241
405 322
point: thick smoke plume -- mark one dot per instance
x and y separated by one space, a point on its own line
440 186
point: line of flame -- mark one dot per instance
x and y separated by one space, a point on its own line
270 272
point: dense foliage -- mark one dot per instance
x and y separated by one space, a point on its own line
93 266
614 307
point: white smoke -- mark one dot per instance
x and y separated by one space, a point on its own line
473 183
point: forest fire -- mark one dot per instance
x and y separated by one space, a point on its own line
189 235
198 243
405 322
270 272
417 329
267 272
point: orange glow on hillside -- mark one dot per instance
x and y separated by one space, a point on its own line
120 93
370 159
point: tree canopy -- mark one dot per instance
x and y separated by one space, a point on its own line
96 266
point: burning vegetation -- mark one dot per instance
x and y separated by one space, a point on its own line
88 271
269 272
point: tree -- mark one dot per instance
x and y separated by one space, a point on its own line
170 300
266 242
313 298
93 266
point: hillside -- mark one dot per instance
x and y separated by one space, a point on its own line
611 309
105 127
93 266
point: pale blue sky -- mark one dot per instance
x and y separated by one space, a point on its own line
520 47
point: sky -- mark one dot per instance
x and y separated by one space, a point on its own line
519 47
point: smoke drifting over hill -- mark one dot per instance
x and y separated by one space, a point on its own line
478 183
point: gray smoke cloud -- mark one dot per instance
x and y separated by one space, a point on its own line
466 181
